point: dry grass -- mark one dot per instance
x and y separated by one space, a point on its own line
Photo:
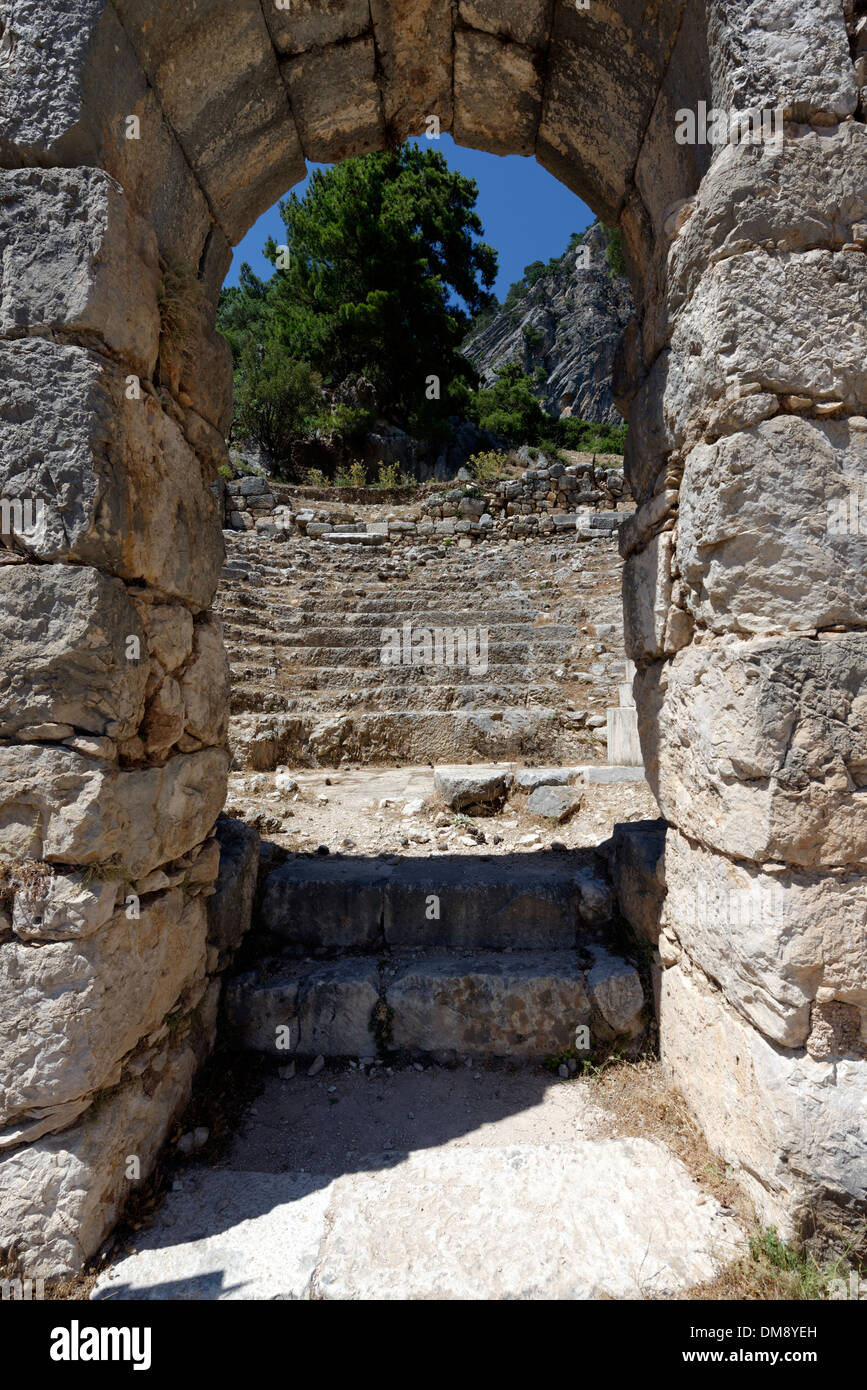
640 1103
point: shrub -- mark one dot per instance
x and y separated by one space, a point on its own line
354 476
390 475
316 478
614 252
488 466
275 399
180 300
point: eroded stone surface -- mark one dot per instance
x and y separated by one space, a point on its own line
756 748
116 483
792 1129
62 806
64 651
773 941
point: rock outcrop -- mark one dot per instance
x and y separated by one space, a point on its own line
563 332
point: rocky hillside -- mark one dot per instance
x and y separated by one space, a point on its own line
563 329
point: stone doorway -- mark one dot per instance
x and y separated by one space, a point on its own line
138 143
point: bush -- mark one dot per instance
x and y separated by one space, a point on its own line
275 400
614 252
488 467
588 438
354 476
316 478
510 408
389 475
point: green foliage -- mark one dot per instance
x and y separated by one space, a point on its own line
276 398
488 466
510 408
532 337
389 475
354 476
386 268
590 438
316 478
614 251
797 1274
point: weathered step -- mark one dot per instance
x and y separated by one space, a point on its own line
261 742
530 902
497 1004
372 638
392 684
370 654
333 697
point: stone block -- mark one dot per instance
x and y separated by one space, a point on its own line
460 787
63 651
555 804
611 57
766 53
753 348
482 906
116 484
810 200
525 1005
204 684
615 987
525 22
70 1011
635 856
308 24
792 1129
336 101
624 748
306 903
323 1010
769 539
757 748
78 260
214 69
68 808
60 1196
230 907
498 94
772 941
414 43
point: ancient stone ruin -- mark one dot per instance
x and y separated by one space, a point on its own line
139 140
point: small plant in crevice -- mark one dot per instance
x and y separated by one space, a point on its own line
180 303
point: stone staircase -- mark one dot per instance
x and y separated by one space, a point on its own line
307 625
445 958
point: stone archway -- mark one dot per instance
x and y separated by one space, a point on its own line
139 141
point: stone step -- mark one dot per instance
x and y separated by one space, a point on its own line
262 742
374 636
542 901
332 699
523 1004
374 676
368 655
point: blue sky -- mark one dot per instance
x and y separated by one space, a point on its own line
528 215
